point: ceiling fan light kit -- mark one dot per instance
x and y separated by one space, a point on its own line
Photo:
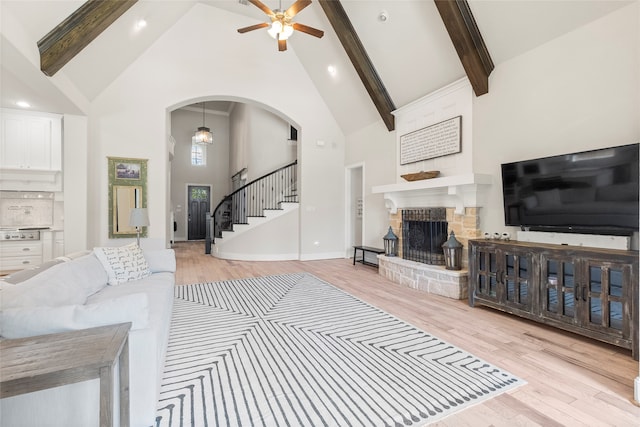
280 31
281 26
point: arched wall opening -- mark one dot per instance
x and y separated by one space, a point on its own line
250 139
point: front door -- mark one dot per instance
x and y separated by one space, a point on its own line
198 207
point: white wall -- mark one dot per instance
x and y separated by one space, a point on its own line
577 92
268 146
129 119
374 147
264 241
259 141
238 137
214 173
356 211
74 164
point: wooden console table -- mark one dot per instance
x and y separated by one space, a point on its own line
364 250
46 361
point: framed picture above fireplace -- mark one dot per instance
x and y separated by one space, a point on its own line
437 140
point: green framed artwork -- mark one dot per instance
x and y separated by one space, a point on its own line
127 190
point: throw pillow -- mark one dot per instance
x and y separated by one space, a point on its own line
32 321
123 263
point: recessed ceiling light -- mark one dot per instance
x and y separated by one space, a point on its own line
23 104
140 24
332 70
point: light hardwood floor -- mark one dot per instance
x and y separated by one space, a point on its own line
572 381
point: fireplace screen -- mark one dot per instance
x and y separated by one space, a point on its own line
423 233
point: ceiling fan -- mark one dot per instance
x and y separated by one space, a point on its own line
281 25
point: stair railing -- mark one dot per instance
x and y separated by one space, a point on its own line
252 199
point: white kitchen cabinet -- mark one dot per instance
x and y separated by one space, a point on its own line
30 141
18 255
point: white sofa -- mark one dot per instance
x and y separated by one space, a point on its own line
74 294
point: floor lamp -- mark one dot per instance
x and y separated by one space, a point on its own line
139 218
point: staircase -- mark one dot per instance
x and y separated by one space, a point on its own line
258 221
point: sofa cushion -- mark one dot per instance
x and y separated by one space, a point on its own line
32 321
159 288
66 283
161 260
123 263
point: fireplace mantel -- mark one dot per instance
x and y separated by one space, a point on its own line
459 191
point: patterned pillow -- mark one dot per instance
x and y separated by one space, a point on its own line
123 263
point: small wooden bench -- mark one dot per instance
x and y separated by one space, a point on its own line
364 250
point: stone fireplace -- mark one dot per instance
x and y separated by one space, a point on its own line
432 278
450 203
465 226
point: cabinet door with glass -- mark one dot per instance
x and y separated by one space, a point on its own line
606 297
517 274
591 293
559 296
484 273
502 273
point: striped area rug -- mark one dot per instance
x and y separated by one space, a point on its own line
293 350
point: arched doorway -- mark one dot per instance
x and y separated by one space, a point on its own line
249 140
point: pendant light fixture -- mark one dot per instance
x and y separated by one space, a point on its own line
203 135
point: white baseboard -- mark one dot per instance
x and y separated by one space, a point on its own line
636 390
324 255
590 240
255 257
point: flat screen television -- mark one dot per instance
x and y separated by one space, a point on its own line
592 192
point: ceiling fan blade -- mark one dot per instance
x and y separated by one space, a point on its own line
261 6
282 45
252 27
297 7
307 29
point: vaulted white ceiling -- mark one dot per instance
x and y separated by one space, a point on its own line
411 50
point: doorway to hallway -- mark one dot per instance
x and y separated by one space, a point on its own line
354 205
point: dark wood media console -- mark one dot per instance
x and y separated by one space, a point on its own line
588 291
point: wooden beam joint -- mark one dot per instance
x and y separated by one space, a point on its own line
79 29
360 60
465 35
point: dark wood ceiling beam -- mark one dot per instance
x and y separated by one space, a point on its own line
360 60
466 38
79 29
